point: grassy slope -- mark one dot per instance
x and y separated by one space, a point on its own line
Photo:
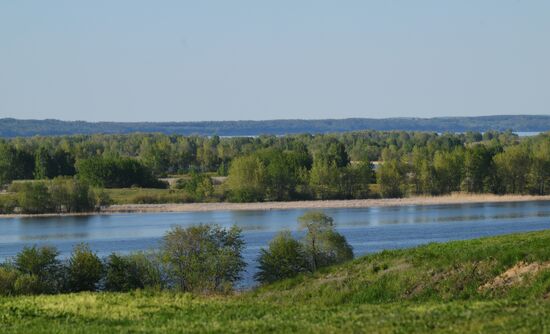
432 287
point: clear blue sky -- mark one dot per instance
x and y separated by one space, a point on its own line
225 60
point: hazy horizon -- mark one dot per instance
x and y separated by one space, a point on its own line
260 120
138 61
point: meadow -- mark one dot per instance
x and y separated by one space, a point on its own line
499 284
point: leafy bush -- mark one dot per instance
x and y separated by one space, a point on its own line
203 258
320 247
199 186
40 268
29 284
84 269
135 271
8 277
34 197
71 195
285 257
102 198
8 203
58 195
324 246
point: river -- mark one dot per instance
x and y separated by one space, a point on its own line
367 230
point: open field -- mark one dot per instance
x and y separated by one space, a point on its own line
491 285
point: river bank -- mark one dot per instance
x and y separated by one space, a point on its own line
327 204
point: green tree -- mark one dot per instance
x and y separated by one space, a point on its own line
198 185
285 257
357 179
8 277
422 171
203 258
207 154
539 173
134 271
41 270
156 155
448 170
478 166
116 173
324 246
512 168
246 181
48 165
85 269
391 178
34 198
325 179
334 152
14 164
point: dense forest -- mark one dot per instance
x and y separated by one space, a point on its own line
348 165
10 127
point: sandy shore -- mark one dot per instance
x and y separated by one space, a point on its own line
361 203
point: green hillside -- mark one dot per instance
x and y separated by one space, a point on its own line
499 284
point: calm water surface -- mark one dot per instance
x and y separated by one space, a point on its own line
367 230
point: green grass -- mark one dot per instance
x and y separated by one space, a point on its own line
147 196
157 196
429 288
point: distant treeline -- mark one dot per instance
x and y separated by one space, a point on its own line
126 160
10 127
278 168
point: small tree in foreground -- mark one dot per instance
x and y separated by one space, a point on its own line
8 277
203 258
40 270
284 258
324 246
321 246
134 271
85 269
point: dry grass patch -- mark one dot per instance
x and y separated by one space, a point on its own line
519 274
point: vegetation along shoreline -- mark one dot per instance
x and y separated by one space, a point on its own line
458 198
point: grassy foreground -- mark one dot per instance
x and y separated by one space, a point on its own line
429 288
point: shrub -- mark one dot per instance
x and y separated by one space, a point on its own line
33 197
102 198
203 258
70 195
324 246
284 258
246 181
320 247
58 195
40 269
199 186
135 271
84 269
8 276
333 248
8 203
28 284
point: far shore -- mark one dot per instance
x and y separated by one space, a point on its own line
328 204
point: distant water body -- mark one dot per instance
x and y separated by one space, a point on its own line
527 134
367 229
